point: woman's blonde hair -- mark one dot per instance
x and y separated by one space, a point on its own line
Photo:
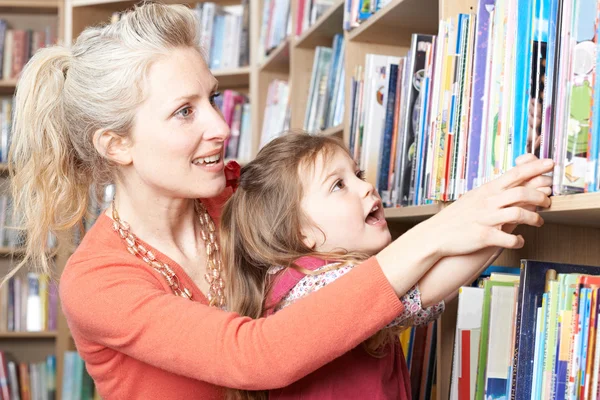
261 228
63 97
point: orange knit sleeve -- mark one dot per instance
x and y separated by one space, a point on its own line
124 308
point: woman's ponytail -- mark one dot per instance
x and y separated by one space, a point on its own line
49 189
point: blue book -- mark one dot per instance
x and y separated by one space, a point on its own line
386 138
523 60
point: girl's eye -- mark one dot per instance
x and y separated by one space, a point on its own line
213 97
338 185
361 174
185 112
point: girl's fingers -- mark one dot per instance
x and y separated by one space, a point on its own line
521 195
514 215
522 173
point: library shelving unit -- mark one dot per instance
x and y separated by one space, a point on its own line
32 346
572 223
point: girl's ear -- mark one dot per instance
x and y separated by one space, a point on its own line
113 146
309 237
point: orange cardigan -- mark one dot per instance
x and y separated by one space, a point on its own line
139 341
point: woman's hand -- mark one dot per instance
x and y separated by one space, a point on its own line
475 221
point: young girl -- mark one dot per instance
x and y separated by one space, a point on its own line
301 218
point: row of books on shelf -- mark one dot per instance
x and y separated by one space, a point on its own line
529 335
460 108
276 118
6 107
275 26
76 381
10 236
419 346
17 46
309 11
27 381
28 304
235 108
325 105
224 33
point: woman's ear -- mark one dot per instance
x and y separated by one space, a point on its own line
113 146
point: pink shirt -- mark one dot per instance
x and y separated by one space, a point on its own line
356 374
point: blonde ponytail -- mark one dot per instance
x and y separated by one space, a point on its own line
64 97
49 189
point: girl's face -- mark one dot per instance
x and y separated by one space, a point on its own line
178 134
345 210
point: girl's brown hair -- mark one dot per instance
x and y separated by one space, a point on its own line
261 227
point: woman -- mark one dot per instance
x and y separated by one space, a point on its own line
132 103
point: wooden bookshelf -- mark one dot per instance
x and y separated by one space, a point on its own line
334 131
324 28
31 6
233 78
278 59
399 18
31 346
29 335
572 226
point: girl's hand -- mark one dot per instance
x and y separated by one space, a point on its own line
542 183
475 221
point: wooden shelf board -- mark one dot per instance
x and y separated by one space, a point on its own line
28 4
398 18
279 59
29 335
11 251
232 78
123 4
577 209
324 28
337 130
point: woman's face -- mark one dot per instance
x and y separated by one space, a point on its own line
179 134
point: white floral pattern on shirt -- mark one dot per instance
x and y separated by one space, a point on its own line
412 315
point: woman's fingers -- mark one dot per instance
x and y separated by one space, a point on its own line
525 158
522 173
540 181
498 238
521 195
514 215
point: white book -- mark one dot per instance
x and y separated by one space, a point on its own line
468 317
500 334
34 303
376 79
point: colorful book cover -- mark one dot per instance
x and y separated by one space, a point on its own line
479 83
388 132
581 92
417 71
531 289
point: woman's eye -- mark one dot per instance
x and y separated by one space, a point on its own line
339 185
213 98
185 112
360 174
